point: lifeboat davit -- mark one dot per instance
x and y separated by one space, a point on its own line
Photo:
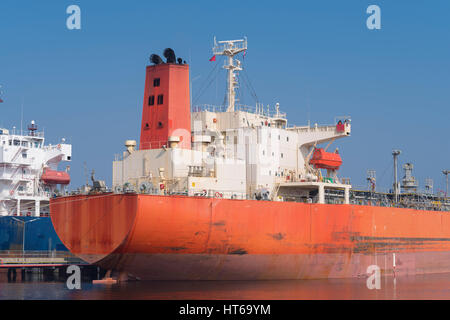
325 160
55 177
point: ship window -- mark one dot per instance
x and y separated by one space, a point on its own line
20 188
10 142
282 155
16 142
264 153
36 144
160 125
160 99
24 155
287 139
24 144
270 172
279 137
147 126
156 82
151 100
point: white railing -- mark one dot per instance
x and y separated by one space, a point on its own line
346 120
313 129
14 257
240 107
325 128
154 144
14 133
209 108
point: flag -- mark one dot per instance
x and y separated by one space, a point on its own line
245 51
1 100
213 58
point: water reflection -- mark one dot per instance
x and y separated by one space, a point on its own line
435 286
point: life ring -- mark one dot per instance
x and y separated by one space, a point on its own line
218 195
59 146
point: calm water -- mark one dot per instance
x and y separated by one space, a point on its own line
417 287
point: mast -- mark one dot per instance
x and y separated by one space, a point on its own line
230 48
446 172
395 153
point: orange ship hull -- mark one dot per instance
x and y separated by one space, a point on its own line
193 238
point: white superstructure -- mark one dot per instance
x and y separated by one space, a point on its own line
24 158
237 151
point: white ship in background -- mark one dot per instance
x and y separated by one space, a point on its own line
29 173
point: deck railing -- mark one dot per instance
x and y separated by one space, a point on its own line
19 257
239 107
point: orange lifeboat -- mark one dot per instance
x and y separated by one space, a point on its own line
325 160
55 177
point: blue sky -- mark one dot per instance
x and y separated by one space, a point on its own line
316 58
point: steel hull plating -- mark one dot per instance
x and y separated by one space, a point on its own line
189 238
